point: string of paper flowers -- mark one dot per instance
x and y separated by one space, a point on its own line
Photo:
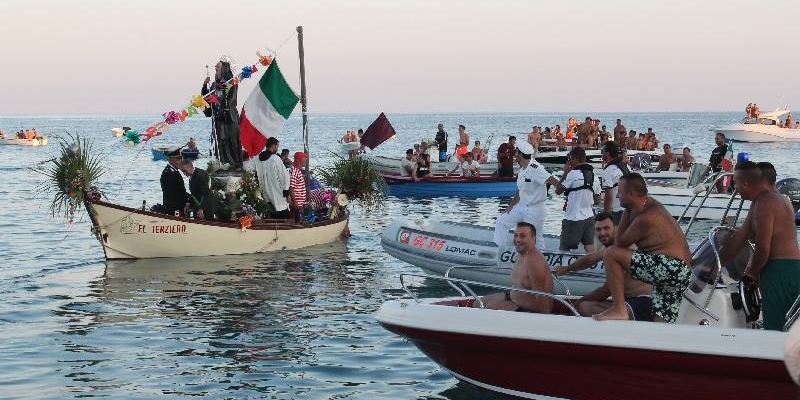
196 105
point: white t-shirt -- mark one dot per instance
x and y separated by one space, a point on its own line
405 164
531 184
469 168
580 202
609 180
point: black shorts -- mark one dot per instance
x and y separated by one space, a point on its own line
640 308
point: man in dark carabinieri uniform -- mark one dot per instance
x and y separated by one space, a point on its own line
174 192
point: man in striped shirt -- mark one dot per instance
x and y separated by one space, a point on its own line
297 183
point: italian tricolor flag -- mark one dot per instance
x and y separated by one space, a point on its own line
266 110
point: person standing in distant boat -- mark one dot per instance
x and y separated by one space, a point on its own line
441 142
463 136
535 138
225 116
715 161
620 133
505 157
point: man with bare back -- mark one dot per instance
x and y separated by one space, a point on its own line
530 272
584 132
770 223
662 259
619 133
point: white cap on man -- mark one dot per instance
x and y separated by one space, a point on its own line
525 147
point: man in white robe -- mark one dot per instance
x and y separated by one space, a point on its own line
274 179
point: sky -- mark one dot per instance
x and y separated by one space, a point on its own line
97 57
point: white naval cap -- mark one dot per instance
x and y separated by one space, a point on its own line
525 147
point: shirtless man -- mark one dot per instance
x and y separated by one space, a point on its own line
619 132
770 223
662 259
630 144
530 272
686 159
535 138
584 132
667 159
463 136
637 293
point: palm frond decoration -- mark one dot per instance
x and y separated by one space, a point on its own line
356 178
71 177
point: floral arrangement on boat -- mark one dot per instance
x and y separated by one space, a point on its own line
357 179
71 177
245 199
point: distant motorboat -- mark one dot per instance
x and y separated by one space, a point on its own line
161 153
451 186
37 141
762 129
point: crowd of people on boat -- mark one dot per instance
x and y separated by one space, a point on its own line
281 180
23 134
645 255
752 114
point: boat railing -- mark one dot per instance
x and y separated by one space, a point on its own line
705 188
465 284
792 314
458 267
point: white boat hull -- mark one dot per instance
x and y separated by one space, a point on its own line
759 133
468 252
675 201
42 141
130 233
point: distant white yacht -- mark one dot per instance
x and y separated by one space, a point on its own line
765 128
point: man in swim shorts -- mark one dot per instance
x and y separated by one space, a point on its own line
637 293
662 259
770 223
530 272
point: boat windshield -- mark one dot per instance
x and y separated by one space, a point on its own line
759 121
704 264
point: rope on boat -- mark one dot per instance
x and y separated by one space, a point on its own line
271 242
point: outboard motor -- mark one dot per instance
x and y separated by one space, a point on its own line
790 188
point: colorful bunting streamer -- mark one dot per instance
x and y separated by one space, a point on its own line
197 103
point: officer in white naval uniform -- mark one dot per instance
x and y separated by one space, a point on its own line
528 203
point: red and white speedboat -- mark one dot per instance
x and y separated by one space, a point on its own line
712 353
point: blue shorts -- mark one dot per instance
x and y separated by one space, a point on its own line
640 308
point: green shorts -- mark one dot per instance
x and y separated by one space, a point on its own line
670 278
780 286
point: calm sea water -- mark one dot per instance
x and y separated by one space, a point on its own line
296 325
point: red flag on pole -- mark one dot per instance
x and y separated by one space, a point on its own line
378 132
